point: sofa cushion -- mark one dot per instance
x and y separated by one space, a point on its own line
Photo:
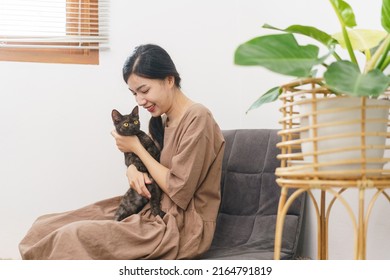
250 195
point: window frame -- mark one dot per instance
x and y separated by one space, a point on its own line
59 55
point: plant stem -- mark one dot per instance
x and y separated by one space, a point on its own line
324 64
383 50
345 34
337 56
349 45
385 64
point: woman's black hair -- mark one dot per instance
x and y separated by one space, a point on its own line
152 62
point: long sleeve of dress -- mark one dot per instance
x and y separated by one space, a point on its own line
189 152
190 162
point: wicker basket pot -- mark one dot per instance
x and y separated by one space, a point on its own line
336 125
329 136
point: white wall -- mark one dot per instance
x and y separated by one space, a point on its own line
56 152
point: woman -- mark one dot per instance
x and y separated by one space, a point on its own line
189 174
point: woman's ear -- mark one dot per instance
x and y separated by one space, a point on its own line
170 81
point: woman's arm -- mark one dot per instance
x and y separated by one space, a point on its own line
156 170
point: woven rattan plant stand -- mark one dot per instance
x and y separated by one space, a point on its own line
309 165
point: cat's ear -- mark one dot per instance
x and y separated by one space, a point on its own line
135 111
116 116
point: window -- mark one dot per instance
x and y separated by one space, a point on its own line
53 31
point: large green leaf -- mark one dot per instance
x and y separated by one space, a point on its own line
279 53
362 39
386 15
344 12
344 77
309 31
270 96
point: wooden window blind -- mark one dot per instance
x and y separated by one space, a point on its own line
53 31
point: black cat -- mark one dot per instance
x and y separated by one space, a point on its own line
132 202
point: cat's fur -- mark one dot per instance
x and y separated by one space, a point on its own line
132 202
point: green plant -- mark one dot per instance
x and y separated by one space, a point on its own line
282 54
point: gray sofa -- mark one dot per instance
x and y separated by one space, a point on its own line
247 216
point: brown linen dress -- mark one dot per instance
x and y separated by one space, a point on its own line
193 152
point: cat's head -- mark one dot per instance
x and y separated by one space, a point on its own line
126 124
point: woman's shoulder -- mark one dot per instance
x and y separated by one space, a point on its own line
198 110
199 117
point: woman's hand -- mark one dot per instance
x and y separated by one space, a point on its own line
126 144
138 181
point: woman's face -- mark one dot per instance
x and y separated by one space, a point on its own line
152 94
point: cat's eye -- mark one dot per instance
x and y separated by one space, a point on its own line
126 124
135 122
